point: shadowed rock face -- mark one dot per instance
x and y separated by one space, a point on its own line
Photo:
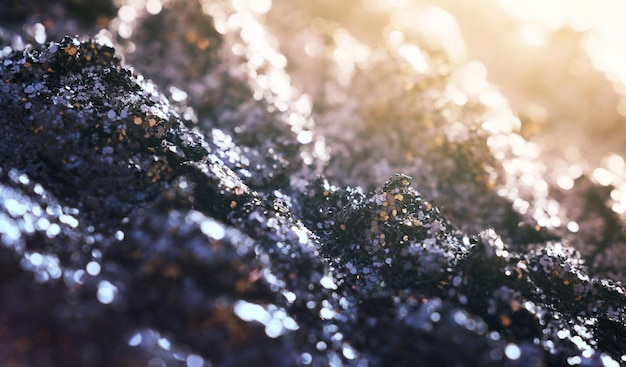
141 229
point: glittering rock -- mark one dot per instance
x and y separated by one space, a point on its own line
401 105
114 161
236 83
139 228
599 231
391 240
63 128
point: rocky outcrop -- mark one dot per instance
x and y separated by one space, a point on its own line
208 213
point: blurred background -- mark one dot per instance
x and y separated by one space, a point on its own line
560 63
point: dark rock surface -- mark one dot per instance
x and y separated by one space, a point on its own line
170 201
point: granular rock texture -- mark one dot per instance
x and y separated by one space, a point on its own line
196 215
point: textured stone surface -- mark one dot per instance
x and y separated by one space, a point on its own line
179 218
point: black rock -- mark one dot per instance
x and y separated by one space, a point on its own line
137 229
